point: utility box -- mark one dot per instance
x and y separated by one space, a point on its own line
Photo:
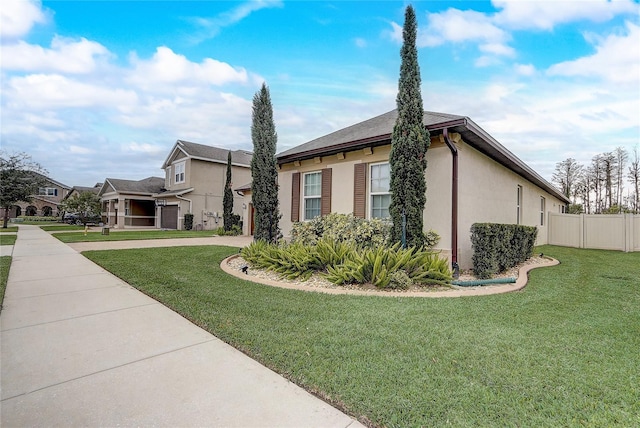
105 230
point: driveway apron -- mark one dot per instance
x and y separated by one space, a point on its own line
79 347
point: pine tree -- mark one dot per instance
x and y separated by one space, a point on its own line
227 200
409 143
264 188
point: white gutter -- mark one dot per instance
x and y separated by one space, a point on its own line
188 200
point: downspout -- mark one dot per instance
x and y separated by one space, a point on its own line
190 206
454 204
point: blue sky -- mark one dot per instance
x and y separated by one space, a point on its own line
95 89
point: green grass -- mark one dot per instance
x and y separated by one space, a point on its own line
131 235
5 264
563 352
9 229
61 227
6 239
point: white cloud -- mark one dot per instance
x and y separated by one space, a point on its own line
360 42
213 26
144 148
17 17
65 56
168 67
458 26
395 34
525 69
79 150
528 14
47 91
498 49
617 59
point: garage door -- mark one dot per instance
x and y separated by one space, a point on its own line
169 217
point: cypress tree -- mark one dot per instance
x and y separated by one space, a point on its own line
264 187
409 143
227 200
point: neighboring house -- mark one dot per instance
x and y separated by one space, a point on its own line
130 203
195 176
45 203
470 178
77 190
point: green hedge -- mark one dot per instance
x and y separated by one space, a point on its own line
25 218
188 221
498 247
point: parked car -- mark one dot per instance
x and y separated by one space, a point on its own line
74 218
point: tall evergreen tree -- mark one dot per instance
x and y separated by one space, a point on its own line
264 188
227 200
409 143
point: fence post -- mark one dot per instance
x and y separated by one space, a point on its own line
583 231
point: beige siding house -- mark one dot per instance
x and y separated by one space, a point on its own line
195 176
470 178
130 203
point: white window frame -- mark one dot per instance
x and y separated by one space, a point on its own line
47 191
519 205
306 198
127 207
378 193
543 207
179 172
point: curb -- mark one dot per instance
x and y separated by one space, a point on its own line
488 290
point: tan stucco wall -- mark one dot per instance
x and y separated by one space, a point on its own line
207 180
487 192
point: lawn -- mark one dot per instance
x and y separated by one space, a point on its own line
5 264
6 239
563 352
9 229
131 235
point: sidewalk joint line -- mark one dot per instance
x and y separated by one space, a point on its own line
82 316
112 368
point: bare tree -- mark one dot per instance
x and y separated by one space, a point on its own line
567 175
634 176
622 157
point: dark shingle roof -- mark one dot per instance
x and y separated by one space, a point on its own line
216 154
379 126
146 185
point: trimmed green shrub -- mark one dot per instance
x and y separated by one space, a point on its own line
188 221
498 247
399 280
342 228
38 218
234 231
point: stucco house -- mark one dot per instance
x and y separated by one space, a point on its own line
78 190
195 177
130 203
470 178
45 203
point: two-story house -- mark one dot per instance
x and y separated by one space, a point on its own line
45 203
195 177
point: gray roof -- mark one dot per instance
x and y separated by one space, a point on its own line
377 132
379 127
214 154
146 185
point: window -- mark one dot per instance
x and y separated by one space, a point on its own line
127 209
543 203
379 183
312 195
48 191
179 172
519 206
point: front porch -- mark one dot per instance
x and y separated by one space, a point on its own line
123 212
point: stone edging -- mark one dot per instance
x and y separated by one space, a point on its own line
486 290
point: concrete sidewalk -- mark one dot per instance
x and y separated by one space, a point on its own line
81 348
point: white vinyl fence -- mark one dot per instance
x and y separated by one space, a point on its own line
600 231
